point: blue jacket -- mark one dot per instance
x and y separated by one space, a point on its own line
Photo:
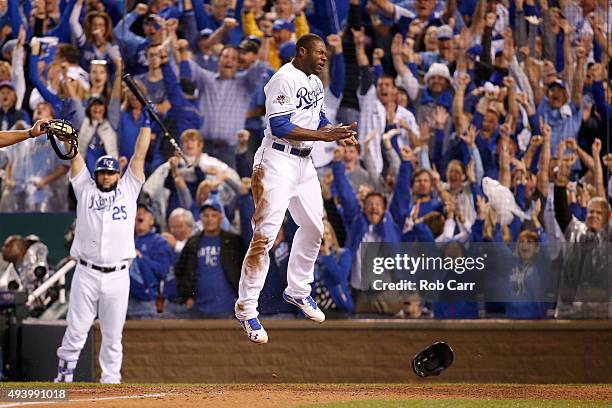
132 46
184 113
334 274
149 270
170 289
355 221
536 284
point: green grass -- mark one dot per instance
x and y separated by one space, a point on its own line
454 403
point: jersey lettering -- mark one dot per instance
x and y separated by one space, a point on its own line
309 99
210 255
103 203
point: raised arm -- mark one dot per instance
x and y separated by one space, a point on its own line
75 25
142 145
35 79
544 163
358 37
460 119
568 64
338 78
17 64
600 189
578 80
549 47
77 163
408 79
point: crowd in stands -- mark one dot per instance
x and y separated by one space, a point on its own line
458 103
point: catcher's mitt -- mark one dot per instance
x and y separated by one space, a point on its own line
62 130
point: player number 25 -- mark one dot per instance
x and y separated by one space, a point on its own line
119 213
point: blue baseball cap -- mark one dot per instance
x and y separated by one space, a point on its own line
474 51
210 204
287 51
108 163
282 24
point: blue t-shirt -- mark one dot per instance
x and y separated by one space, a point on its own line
214 295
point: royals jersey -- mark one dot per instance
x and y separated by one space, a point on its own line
291 92
104 232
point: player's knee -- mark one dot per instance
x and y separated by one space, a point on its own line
316 230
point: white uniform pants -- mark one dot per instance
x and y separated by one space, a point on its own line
289 182
105 295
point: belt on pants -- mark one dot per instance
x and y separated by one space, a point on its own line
103 269
292 150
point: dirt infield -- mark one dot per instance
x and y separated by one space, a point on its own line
290 395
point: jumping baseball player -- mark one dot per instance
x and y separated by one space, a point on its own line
11 137
103 247
284 177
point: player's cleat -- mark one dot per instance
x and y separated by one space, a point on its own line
308 306
255 331
65 371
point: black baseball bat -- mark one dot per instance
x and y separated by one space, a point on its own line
148 105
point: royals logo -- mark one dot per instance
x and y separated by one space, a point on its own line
103 202
309 99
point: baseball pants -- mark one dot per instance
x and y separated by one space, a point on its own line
289 182
105 295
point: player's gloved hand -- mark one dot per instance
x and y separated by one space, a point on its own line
151 106
145 119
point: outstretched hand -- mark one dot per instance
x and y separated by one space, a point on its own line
39 128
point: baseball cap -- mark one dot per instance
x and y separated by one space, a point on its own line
96 99
150 19
444 32
206 32
474 51
248 46
287 51
557 82
7 84
108 163
283 24
146 207
255 39
210 204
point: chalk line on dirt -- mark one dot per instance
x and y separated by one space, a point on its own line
21 404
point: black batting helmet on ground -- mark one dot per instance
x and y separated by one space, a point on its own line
433 360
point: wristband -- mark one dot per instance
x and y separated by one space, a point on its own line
30 135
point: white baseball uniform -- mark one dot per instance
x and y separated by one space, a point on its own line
289 182
104 237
